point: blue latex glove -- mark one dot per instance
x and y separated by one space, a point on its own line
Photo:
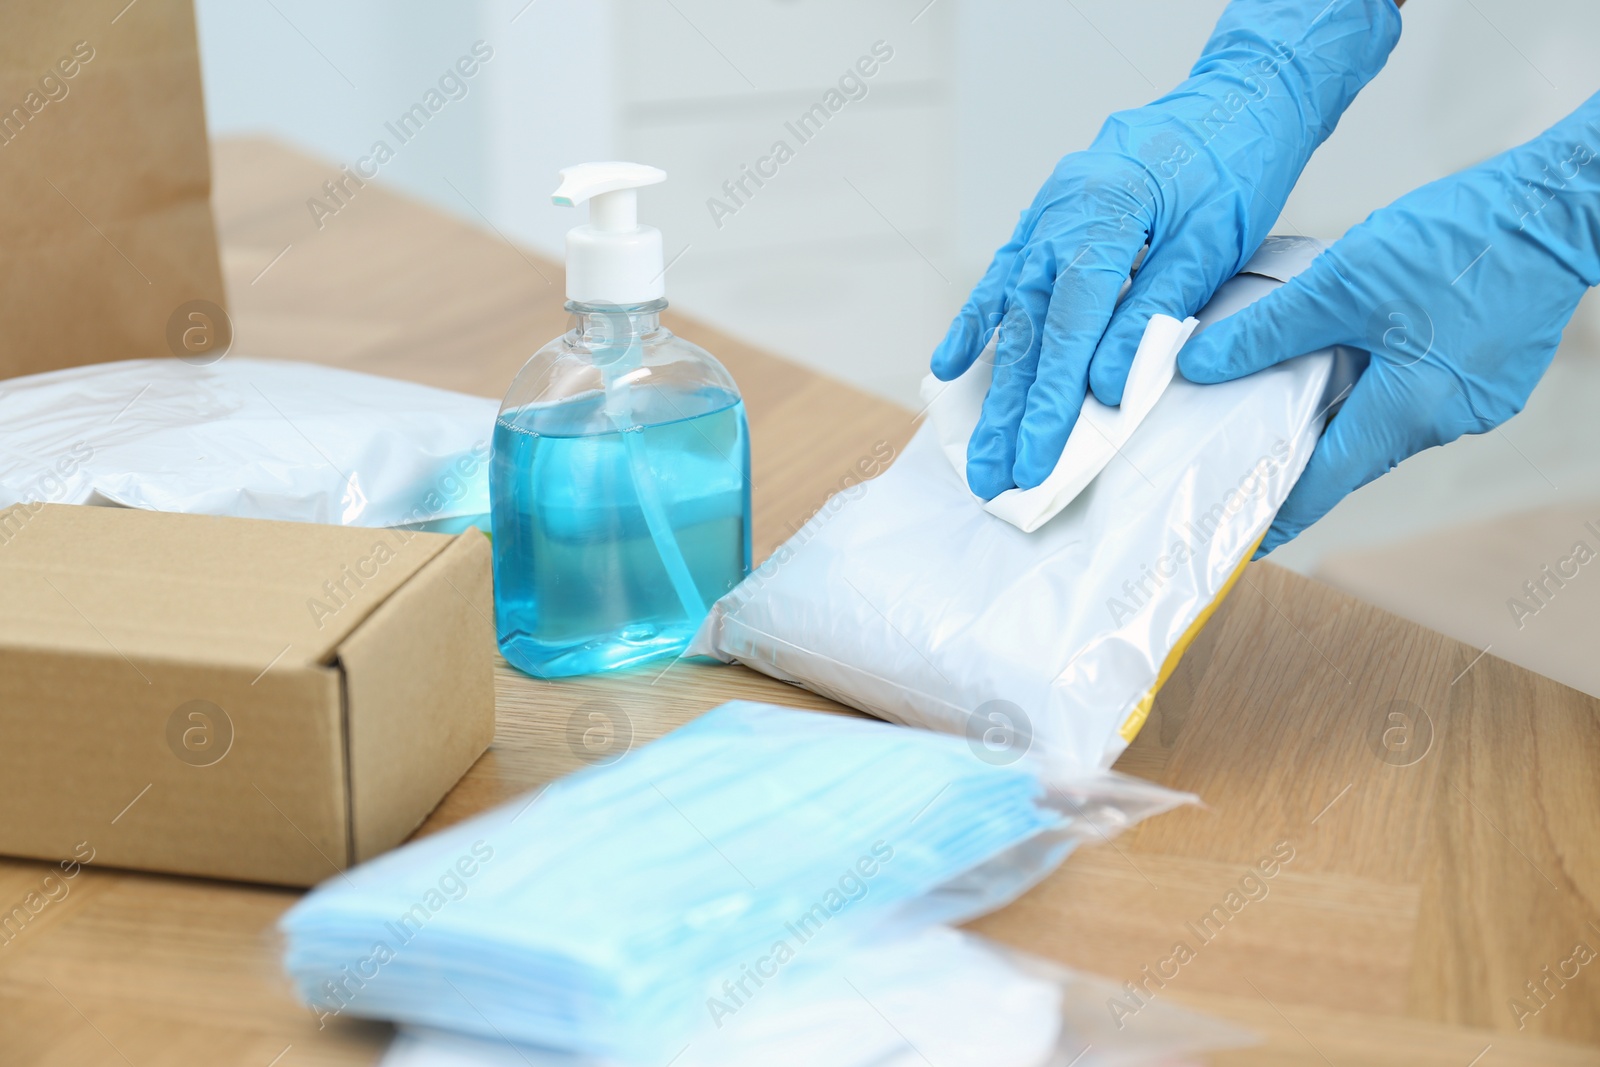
1459 291
1200 175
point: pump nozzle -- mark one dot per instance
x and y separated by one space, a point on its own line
612 259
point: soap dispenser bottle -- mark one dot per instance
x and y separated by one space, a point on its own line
620 477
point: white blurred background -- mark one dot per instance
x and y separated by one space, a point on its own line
854 257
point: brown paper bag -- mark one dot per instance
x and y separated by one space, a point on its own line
107 247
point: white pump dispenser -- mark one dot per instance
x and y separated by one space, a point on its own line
612 259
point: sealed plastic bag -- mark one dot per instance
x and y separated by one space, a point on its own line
623 910
914 603
259 439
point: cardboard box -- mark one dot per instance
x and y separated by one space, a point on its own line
267 701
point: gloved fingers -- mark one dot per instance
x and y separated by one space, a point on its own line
1309 312
1080 306
991 451
1391 414
1173 281
979 316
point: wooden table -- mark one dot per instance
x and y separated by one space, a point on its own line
1435 869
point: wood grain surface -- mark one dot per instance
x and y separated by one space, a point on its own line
1440 809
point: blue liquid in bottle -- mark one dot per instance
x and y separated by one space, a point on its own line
620 507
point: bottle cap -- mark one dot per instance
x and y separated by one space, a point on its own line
611 259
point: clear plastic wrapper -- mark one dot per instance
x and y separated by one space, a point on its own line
252 438
603 916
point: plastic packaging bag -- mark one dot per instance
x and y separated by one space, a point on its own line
915 604
258 439
937 996
604 916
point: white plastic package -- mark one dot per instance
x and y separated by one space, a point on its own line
937 995
261 439
914 603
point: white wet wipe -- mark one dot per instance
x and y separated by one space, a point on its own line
1099 434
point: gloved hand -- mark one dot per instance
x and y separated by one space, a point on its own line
1459 291
1199 175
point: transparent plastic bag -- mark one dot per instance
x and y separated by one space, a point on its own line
1093 808
604 916
260 439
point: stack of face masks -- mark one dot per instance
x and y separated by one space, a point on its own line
631 905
